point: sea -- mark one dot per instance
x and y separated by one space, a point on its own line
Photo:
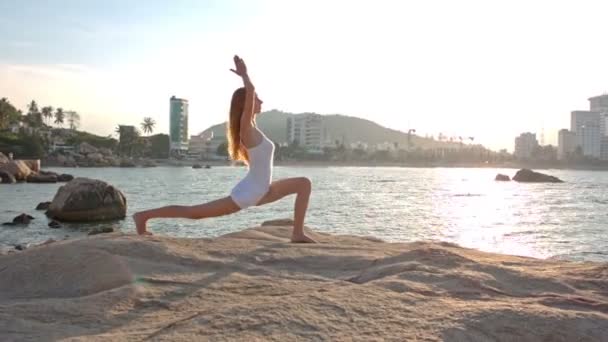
460 205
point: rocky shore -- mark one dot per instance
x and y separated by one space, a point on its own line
255 285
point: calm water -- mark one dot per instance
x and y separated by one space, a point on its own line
464 206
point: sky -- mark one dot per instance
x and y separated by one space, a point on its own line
481 68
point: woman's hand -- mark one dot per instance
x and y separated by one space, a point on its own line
240 67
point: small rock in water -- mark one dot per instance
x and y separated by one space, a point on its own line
20 219
7 178
197 166
21 247
101 230
54 224
502 178
43 205
65 178
529 176
38 178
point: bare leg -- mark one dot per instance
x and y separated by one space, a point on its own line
300 186
220 207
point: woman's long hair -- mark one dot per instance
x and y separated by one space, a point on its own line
236 150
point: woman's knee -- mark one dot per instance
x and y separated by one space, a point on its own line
305 184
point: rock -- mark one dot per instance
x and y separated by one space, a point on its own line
54 224
127 163
96 157
3 159
48 173
23 219
17 168
197 166
101 230
43 205
21 246
7 178
86 148
87 200
148 163
207 166
78 158
105 151
37 178
529 176
113 161
502 178
33 164
64 177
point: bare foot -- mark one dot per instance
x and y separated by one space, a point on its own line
140 224
301 238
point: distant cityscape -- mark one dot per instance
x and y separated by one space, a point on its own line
585 141
298 137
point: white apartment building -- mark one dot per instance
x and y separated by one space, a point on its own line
587 127
525 144
307 131
566 143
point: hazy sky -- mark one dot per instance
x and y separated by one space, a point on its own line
488 69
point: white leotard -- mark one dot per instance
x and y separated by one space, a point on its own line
250 190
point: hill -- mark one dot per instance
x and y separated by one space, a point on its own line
339 127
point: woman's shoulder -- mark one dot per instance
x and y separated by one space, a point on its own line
251 137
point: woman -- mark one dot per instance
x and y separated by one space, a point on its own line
249 145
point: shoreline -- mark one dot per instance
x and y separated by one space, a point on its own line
312 163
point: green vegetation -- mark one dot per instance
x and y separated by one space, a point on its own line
22 144
148 125
159 146
79 137
8 113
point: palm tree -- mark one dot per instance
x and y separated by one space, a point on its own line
34 117
73 119
148 125
59 116
47 113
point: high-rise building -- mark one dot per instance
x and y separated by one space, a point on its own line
586 125
525 145
566 143
178 125
307 131
599 103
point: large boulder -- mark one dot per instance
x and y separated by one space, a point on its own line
96 157
33 164
529 176
87 200
17 168
61 159
43 205
86 148
3 159
7 178
105 151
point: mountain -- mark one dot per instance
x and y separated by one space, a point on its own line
339 127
